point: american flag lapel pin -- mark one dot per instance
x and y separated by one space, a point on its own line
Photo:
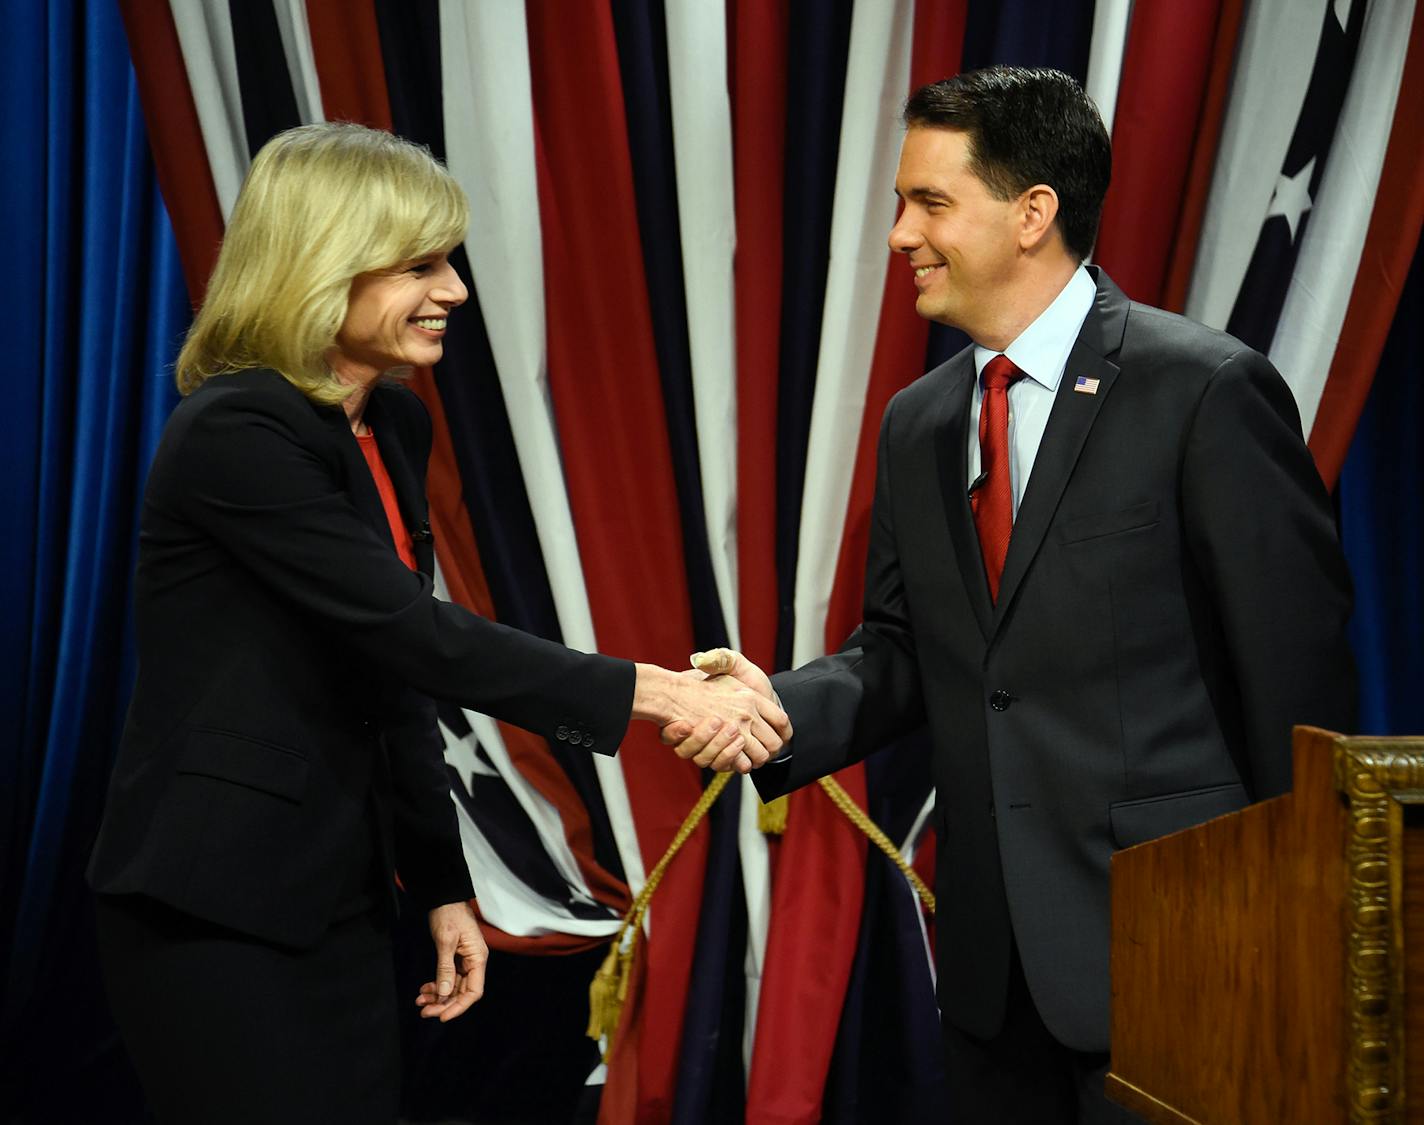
1083 385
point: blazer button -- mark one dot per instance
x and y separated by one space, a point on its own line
562 734
575 737
1000 700
588 741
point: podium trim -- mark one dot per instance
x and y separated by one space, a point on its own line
1376 777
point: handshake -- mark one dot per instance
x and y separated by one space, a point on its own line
721 713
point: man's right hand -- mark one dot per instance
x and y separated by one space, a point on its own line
695 741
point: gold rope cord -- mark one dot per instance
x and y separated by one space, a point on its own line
609 990
857 816
610 984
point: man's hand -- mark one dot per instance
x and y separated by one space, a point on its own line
704 742
460 956
737 726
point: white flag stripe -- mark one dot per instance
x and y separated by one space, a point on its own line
489 144
1273 67
210 59
756 887
292 25
1105 54
702 142
877 80
702 148
1324 275
908 850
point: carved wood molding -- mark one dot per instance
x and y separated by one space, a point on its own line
1375 776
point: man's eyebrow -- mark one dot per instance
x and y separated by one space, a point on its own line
923 194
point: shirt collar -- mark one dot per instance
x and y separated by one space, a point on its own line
1041 350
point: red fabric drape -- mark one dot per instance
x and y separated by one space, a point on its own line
1165 76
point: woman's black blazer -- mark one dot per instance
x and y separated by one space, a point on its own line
280 728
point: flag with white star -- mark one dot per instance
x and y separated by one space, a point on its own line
1263 292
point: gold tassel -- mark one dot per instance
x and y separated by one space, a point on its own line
609 990
771 817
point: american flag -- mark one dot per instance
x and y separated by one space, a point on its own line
1083 385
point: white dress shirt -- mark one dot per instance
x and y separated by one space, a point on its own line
1040 351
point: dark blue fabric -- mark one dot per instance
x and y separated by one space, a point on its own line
269 104
1381 498
707 1071
641 34
887 1063
815 89
98 308
1030 33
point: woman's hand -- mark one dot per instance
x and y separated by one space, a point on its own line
460 957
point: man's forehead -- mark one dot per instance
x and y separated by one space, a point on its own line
930 155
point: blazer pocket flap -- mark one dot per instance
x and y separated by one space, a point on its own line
246 761
1135 822
1108 523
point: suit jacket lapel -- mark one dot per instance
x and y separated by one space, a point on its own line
410 497
951 442
1070 420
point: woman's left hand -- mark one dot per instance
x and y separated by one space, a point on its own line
460 956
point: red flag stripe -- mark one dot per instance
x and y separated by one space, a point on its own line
1203 162
758 44
346 45
1390 243
608 405
1165 77
176 140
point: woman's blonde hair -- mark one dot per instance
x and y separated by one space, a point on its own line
321 205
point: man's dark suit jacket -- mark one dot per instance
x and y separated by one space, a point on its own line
281 741
1173 600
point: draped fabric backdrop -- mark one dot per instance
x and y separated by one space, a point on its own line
655 431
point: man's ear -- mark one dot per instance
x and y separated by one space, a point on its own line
1038 209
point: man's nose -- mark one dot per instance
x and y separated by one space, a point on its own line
903 237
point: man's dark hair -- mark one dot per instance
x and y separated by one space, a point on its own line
1027 127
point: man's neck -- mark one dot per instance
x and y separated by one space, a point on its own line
1024 303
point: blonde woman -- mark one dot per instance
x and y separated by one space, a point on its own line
281 756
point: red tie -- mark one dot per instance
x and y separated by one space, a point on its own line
993 501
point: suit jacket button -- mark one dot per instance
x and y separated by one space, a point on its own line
562 734
588 741
1000 700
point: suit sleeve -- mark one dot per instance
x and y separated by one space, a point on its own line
1260 530
847 705
429 856
247 473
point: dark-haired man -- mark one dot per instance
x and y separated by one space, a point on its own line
1102 567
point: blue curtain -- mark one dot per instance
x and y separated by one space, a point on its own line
96 307
1381 497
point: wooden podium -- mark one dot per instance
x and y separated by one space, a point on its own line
1261 962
